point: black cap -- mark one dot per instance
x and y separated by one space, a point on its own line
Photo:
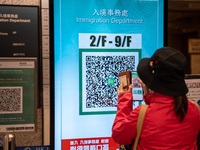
164 72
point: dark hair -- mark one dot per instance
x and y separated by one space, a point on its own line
180 106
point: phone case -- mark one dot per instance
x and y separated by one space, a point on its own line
125 78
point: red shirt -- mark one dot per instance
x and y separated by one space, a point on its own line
162 129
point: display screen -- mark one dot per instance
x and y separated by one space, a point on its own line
93 42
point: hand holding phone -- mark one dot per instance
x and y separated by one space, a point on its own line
144 87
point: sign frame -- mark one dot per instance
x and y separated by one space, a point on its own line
19 82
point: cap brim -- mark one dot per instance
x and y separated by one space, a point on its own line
144 71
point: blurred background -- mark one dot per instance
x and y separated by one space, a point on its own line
184 30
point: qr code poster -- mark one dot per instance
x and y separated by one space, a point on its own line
18 83
99 70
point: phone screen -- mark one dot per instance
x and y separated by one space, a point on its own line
137 90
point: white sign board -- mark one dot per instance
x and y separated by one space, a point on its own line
194 45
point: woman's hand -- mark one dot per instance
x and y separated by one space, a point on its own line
121 90
145 88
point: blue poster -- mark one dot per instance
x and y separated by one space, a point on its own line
95 40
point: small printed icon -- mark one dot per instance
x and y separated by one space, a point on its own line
111 81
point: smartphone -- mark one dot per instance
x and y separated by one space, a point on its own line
125 78
134 80
137 90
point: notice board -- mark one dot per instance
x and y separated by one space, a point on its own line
193 84
19 31
93 41
18 84
19 67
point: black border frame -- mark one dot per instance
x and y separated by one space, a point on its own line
52 81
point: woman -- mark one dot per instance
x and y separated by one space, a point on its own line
171 122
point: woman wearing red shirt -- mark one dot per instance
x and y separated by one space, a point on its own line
172 122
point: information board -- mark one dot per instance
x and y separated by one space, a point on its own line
18 95
19 31
193 84
93 41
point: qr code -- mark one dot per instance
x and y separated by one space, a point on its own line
102 78
10 100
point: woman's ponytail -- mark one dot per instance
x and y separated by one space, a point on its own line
181 106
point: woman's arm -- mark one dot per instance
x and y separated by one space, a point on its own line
124 126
